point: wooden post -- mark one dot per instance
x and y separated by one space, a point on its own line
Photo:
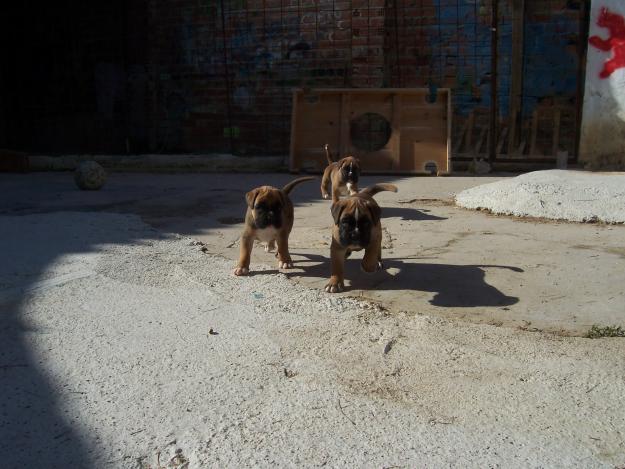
556 131
534 133
516 85
584 18
450 115
469 136
396 132
492 150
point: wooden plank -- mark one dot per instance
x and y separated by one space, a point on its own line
450 115
471 120
581 73
516 84
480 141
502 140
556 131
460 140
395 140
369 91
494 70
534 132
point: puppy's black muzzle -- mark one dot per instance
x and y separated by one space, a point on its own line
268 216
355 233
350 174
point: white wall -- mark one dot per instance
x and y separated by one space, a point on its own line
602 140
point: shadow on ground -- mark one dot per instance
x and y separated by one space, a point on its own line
460 286
36 429
409 214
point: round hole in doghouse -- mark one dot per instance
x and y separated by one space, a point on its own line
370 132
430 167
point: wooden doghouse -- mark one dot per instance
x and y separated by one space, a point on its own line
391 130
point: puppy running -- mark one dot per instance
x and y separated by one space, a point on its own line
343 175
269 218
356 226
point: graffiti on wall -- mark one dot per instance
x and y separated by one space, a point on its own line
615 24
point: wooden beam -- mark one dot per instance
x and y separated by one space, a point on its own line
534 133
494 102
471 121
502 140
516 84
480 141
450 115
395 140
556 131
460 140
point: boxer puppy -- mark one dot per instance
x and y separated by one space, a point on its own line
356 226
343 175
269 218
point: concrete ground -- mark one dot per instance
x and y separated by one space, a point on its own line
108 358
441 260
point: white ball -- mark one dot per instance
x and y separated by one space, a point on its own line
89 176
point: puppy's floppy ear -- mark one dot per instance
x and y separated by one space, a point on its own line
337 209
250 197
375 211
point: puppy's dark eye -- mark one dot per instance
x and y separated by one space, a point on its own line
348 221
364 223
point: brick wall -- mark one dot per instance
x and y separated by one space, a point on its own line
224 76
216 75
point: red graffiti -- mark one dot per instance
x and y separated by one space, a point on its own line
615 24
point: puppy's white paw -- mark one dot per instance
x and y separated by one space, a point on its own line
334 287
241 271
326 196
285 264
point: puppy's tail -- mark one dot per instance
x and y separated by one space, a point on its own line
326 147
287 189
372 190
